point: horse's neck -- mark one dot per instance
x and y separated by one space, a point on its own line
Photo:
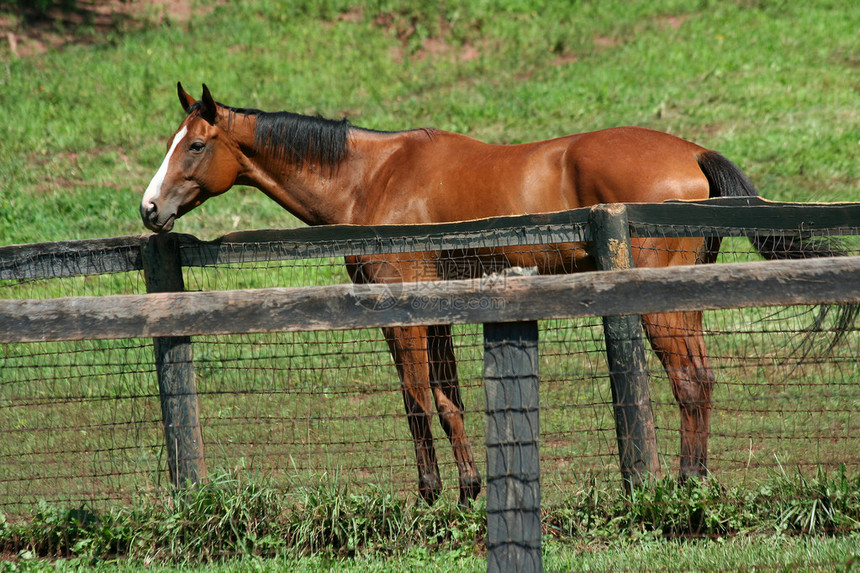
323 195
315 194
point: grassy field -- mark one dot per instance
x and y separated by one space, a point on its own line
770 84
773 85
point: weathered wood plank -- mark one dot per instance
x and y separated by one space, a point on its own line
493 299
741 216
70 258
713 217
733 216
348 240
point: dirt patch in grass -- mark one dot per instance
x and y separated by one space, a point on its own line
27 31
420 40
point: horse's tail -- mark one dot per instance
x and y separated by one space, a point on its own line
727 180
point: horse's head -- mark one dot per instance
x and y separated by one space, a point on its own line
201 162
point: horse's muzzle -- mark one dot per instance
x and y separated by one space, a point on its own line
150 216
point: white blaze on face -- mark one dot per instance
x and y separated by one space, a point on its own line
154 188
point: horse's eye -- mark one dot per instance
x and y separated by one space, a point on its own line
197 146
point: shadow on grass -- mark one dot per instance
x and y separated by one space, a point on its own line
33 27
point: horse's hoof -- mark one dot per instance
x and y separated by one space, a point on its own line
430 491
698 473
469 490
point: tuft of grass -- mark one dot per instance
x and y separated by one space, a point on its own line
784 504
233 515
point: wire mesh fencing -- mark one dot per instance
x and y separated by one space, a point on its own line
82 420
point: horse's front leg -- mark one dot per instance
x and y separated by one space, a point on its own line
449 404
678 340
408 346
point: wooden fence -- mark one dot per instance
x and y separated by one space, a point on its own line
171 316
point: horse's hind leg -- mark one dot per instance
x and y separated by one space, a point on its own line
449 404
408 346
678 340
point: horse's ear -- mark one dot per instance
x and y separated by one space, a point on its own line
210 108
184 98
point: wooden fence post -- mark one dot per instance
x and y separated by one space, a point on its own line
175 369
513 463
625 354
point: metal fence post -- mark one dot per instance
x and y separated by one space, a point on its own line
175 369
625 353
513 463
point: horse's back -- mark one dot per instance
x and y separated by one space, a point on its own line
634 165
616 165
621 165
450 177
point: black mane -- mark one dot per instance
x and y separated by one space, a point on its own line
297 138
294 137
300 138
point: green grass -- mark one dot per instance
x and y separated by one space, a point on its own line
770 84
236 516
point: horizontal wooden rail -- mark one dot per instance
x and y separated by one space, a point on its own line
710 218
70 258
743 216
352 240
713 217
494 299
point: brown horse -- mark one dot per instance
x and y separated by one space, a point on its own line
327 172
